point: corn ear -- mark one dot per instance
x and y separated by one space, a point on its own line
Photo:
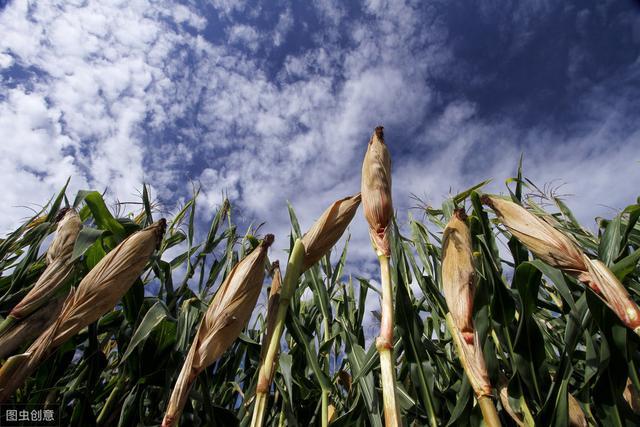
59 266
328 229
30 327
547 243
225 318
458 273
66 234
376 191
96 294
458 282
613 293
557 250
108 281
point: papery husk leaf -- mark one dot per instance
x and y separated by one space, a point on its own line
331 413
576 415
59 266
328 229
458 273
376 191
602 280
30 327
227 315
632 397
547 243
96 294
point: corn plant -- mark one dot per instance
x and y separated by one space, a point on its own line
506 311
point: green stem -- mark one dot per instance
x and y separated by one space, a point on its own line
384 344
289 283
282 418
325 393
7 323
259 409
111 400
325 408
489 412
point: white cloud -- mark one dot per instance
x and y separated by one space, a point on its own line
140 99
227 7
330 10
244 35
99 73
283 26
33 163
182 14
6 60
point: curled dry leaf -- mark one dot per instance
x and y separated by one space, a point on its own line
632 397
503 395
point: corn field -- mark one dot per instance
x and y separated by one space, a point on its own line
495 315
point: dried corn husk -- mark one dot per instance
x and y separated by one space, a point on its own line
632 397
30 327
225 318
66 234
458 273
557 250
96 294
472 360
59 266
503 394
331 413
328 229
614 294
108 281
549 244
576 415
376 191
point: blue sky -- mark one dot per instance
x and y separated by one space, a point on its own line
274 101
